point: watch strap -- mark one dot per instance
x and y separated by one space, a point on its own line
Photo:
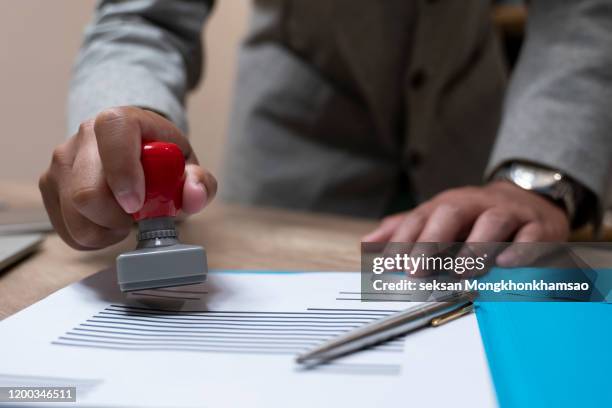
566 193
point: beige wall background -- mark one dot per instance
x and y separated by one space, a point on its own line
38 42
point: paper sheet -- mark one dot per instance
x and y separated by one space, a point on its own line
232 342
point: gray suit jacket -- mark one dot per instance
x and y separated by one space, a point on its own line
351 105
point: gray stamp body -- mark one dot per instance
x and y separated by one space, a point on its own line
160 260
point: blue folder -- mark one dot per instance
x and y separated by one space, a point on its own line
548 354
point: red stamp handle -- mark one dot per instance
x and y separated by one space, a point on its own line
164 169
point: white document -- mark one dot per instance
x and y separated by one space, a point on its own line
231 342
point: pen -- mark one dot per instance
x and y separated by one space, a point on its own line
430 314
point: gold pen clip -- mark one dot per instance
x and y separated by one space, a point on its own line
452 315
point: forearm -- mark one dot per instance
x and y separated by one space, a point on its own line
145 53
557 110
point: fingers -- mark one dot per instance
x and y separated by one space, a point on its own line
87 234
497 212
96 177
89 193
61 160
75 229
385 230
539 230
517 254
119 133
199 189
52 204
494 225
411 227
448 223
532 232
443 223
492 213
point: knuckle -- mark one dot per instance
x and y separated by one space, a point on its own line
43 182
46 185
117 113
59 157
455 194
470 190
526 213
449 208
446 195
85 127
388 218
536 232
118 116
391 219
498 216
417 217
83 197
532 214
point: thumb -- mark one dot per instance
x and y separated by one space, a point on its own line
119 134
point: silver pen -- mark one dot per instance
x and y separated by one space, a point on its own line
430 314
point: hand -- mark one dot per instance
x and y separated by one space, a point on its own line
95 179
496 212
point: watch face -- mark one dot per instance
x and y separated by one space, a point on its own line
531 178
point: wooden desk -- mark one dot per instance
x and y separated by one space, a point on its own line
235 238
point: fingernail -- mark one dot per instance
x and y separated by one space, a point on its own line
129 201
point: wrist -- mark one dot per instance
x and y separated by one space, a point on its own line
551 184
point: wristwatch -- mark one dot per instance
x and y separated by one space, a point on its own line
546 182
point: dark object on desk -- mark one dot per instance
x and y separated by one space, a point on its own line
160 260
16 247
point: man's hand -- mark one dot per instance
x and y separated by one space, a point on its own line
95 179
497 212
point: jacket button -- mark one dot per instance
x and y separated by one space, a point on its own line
415 158
418 79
